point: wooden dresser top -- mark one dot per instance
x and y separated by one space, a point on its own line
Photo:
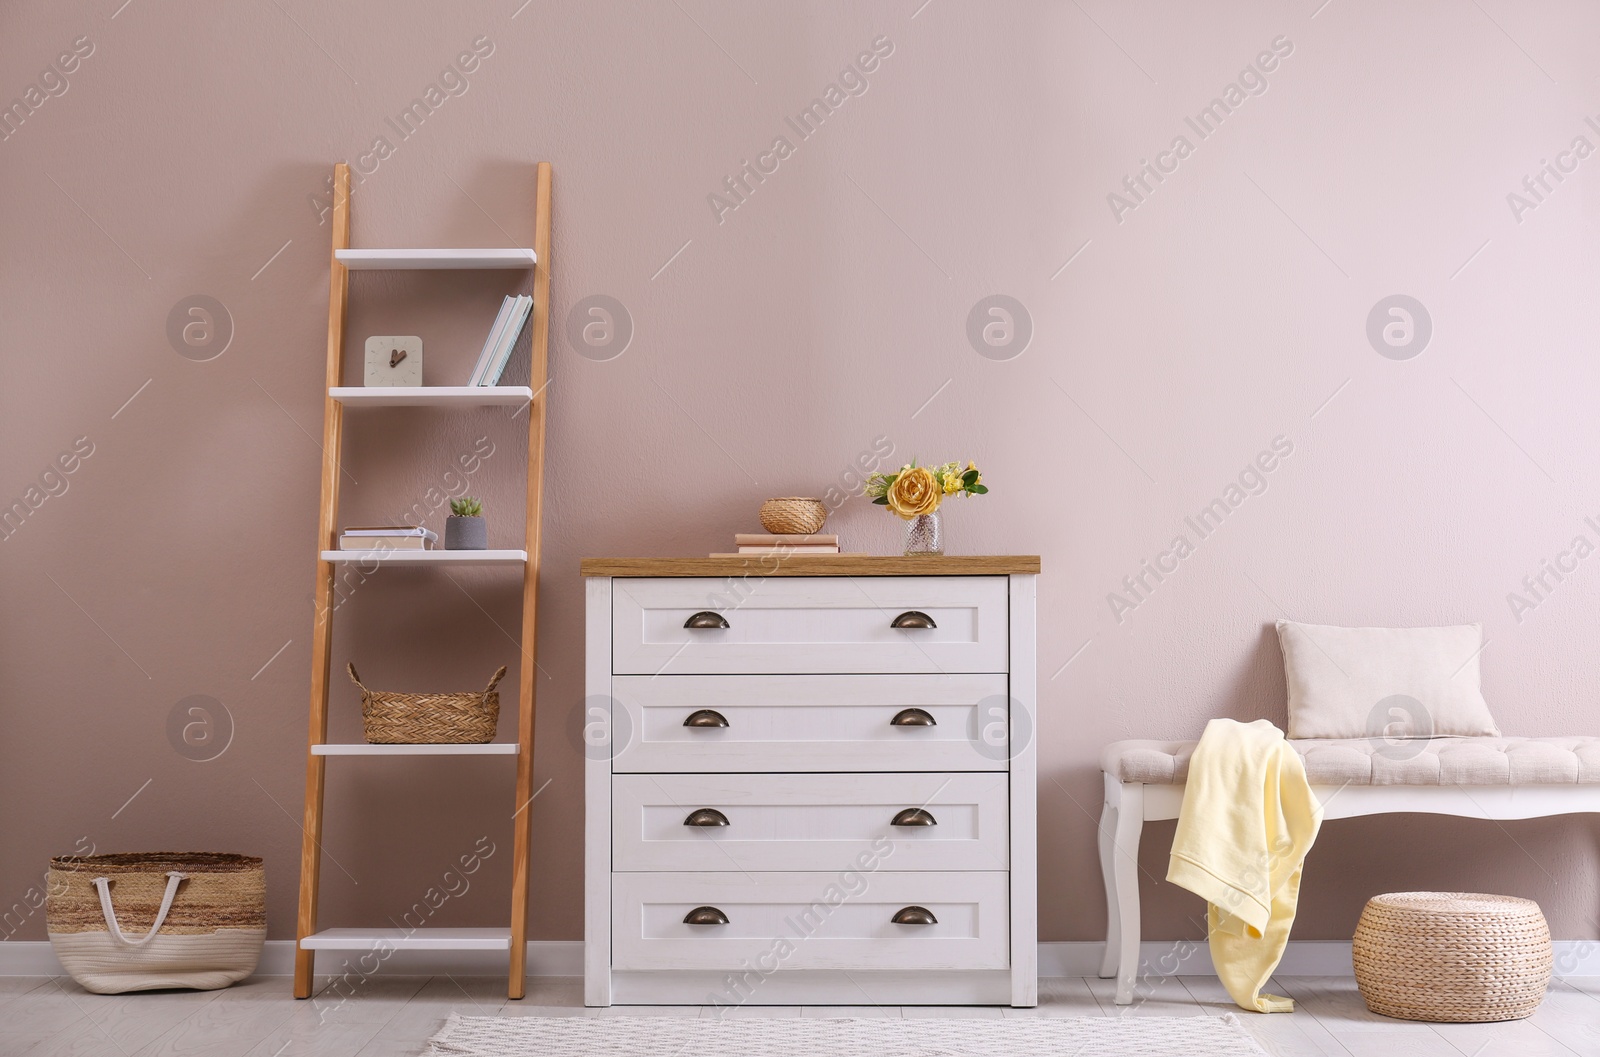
817 565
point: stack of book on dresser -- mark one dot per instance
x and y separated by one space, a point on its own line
388 538
781 545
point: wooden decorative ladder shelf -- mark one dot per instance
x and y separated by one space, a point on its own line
514 940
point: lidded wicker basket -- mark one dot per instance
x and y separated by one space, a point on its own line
793 515
391 718
1452 956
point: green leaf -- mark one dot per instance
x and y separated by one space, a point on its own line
970 477
882 500
979 489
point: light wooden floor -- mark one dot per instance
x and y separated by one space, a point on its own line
394 1016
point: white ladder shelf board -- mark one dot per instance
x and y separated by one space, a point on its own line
434 259
408 940
432 395
493 748
419 557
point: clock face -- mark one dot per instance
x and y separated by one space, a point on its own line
394 361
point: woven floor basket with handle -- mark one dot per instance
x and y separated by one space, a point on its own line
141 921
390 718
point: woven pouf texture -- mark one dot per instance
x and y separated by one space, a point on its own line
1452 956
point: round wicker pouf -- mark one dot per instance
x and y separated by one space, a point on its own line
1452 956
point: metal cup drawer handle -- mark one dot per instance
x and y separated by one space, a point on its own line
706 816
706 717
912 618
914 916
914 816
713 916
706 619
912 717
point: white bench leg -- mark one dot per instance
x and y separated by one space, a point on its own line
1125 879
1108 826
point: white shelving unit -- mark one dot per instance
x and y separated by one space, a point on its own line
408 940
415 260
410 557
492 748
432 395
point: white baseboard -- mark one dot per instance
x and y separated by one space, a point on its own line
565 958
1301 958
545 958
1193 958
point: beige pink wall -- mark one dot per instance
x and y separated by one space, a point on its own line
772 344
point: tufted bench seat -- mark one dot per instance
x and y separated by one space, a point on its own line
1379 761
1496 778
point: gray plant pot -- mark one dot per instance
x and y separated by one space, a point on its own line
466 534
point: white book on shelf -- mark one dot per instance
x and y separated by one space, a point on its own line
508 341
396 530
491 342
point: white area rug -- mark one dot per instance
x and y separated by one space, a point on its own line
627 1036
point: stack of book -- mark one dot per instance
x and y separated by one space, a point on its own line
786 546
388 538
501 340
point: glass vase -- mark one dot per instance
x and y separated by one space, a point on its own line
925 534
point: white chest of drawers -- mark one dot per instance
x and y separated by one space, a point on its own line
810 782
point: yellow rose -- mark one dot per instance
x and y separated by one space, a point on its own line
915 491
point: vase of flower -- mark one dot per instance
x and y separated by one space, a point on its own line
925 534
914 493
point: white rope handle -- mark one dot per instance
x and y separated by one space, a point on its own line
104 886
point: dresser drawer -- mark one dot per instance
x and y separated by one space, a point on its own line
808 821
835 920
811 723
825 624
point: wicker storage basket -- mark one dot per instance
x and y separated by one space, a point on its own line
1452 956
137 922
389 718
793 515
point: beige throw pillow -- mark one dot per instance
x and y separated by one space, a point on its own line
1384 682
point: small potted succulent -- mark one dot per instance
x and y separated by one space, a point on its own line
465 529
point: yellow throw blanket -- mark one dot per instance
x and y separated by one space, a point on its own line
1247 821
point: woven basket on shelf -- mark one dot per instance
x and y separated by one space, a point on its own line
1452 956
793 515
390 718
138 922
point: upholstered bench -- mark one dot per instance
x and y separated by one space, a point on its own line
1495 778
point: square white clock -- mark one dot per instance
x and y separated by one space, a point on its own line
394 360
